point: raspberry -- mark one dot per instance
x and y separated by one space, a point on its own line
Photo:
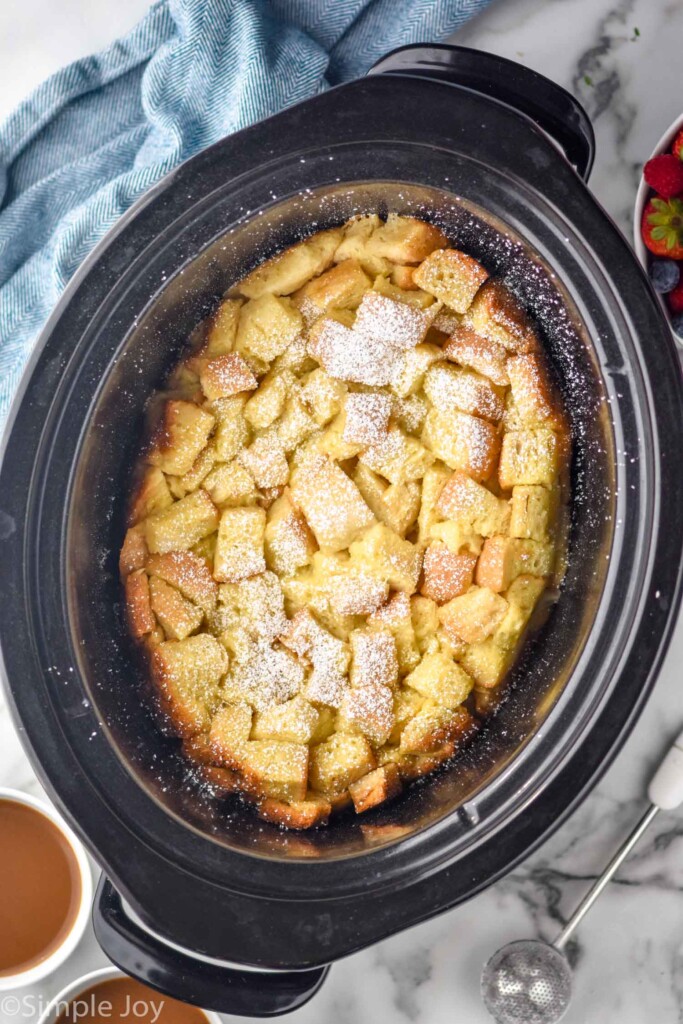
664 173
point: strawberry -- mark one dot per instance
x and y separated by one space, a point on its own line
675 298
662 227
664 173
677 148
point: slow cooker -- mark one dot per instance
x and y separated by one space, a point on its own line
199 898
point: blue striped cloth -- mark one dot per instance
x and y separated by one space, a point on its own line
91 139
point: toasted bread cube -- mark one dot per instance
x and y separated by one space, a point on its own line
425 617
226 376
278 770
239 548
339 761
348 354
266 674
201 467
440 679
182 525
299 814
489 662
220 338
355 592
395 505
533 394
445 574
182 433
503 559
402 277
432 485
533 512
295 425
398 457
322 396
401 325
374 658
432 728
313 586
268 401
291 269
529 457
289 543
328 655
268 325
255 605
395 616
481 354
452 389
231 484
139 610
367 417
368 709
356 233
134 550
188 573
452 276
410 370
229 734
334 444
330 501
410 413
414 297
498 316
340 287
473 616
473 506
152 495
177 616
188 674
407 703
388 557
463 442
378 786
404 239
232 432
266 461
294 721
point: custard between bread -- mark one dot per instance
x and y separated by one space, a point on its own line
351 506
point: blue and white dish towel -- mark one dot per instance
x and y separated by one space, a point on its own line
93 137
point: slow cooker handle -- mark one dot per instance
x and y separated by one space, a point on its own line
550 106
205 983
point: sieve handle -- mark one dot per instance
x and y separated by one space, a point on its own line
666 793
606 877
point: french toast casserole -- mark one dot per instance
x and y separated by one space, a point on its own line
349 511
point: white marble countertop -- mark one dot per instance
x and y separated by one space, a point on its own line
628 956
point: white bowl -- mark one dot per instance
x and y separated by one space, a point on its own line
82 984
71 940
642 196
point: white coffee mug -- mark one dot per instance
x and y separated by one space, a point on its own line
57 957
79 987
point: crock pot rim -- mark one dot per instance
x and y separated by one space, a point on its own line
93 260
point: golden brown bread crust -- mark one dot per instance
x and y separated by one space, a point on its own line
349 508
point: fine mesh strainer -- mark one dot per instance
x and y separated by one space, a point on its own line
529 982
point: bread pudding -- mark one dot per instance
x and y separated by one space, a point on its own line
348 513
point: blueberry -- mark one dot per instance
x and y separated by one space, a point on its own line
665 275
677 325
